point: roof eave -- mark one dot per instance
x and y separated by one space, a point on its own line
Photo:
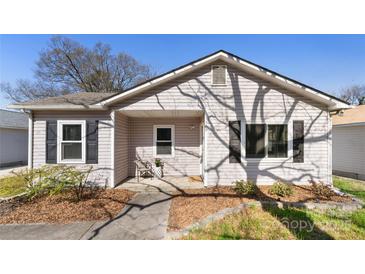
350 124
331 102
58 107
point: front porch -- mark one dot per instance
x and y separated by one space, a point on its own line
166 184
174 137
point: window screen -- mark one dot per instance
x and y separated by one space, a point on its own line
219 75
277 141
298 141
255 141
234 142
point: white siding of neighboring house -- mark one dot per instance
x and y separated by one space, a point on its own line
13 146
102 171
250 100
349 151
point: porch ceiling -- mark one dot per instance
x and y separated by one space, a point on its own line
162 113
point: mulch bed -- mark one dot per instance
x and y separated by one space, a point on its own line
197 204
63 208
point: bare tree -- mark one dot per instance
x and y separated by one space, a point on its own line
67 66
354 95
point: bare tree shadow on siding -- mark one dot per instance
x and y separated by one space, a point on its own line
217 119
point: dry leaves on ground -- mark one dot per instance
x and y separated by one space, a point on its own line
63 208
197 204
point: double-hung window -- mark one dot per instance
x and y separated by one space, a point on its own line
164 141
71 145
266 141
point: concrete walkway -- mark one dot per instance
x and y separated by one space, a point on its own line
145 217
6 171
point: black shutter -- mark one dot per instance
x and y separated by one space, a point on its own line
51 142
234 142
92 142
298 141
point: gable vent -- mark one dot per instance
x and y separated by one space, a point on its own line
219 74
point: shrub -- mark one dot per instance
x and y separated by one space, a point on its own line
78 181
245 188
51 180
281 189
33 181
321 190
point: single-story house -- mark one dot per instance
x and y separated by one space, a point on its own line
219 117
13 138
349 143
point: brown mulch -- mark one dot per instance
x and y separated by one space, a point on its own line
197 204
64 208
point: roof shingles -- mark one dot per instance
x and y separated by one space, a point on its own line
350 116
80 98
12 119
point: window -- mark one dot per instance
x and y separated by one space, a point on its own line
219 74
255 141
71 136
164 141
298 141
277 141
235 142
269 141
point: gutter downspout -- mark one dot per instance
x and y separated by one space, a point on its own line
30 138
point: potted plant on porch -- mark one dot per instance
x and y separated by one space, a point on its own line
158 168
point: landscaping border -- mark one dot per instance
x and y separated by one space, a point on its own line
172 235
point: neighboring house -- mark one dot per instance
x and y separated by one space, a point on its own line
13 138
349 143
220 117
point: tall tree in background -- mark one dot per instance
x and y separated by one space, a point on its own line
354 95
68 67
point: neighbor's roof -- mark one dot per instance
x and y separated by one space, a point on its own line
74 100
351 116
12 119
331 101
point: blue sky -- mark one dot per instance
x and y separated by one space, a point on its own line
327 62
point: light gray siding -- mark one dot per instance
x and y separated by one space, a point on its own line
121 145
349 151
245 98
13 146
101 173
250 100
187 144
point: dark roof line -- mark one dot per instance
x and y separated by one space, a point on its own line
287 78
235 56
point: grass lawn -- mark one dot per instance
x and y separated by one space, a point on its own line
291 223
353 187
284 224
12 185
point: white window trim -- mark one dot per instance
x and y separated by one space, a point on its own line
172 155
266 158
60 124
211 73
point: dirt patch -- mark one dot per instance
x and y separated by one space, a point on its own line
197 204
63 208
